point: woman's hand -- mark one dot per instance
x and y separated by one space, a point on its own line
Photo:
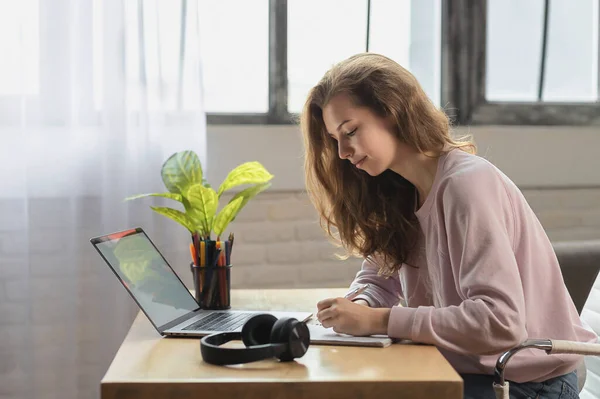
347 317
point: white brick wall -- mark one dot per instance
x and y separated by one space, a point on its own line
63 314
298 253
567 214
279 243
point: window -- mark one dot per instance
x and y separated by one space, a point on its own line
569 70
316 40
404 30
257 59
514 62
234 46
307 37
169 44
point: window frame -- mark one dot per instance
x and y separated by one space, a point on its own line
464 24
278 81
463 76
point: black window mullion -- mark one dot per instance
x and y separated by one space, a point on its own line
544 51
463 57
278 82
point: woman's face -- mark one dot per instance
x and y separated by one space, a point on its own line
364 139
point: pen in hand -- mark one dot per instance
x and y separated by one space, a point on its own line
355 292
352 294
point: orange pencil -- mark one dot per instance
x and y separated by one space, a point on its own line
193 253
224 253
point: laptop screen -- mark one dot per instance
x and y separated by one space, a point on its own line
146 275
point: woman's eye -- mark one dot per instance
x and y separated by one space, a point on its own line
352 133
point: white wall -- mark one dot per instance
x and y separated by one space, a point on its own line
539 157
281 245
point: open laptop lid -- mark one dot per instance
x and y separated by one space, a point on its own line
147 276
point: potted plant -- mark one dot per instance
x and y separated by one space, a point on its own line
182 176
184 180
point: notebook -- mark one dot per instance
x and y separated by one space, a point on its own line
160 293
320 335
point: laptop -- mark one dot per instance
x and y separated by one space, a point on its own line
160 293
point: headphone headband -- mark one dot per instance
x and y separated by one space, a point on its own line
214 354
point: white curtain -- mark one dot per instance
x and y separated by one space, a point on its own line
94 96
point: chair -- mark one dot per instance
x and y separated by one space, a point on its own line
580 262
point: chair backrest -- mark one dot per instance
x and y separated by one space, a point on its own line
579 263
589 251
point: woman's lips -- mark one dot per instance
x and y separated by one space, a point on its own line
359 163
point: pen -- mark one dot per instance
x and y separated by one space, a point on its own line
357 291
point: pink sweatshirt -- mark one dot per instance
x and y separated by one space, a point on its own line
484 280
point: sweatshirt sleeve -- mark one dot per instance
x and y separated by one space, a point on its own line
382 292
478 218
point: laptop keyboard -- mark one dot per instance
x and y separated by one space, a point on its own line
220 321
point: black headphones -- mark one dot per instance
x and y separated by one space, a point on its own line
264 336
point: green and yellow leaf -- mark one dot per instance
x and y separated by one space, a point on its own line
246 173
202 203
177 216
180 171
173 196
226 215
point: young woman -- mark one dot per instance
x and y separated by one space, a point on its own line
441 230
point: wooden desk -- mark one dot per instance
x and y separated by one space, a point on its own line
149 366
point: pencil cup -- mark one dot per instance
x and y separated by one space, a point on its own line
212 286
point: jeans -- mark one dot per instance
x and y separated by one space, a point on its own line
479 386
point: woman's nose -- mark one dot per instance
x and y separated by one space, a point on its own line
344 151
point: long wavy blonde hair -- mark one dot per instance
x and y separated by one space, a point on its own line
373 215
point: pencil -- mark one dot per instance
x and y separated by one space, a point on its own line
356 292
193 254
230 245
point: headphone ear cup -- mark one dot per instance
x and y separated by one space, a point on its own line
257 329
281 333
